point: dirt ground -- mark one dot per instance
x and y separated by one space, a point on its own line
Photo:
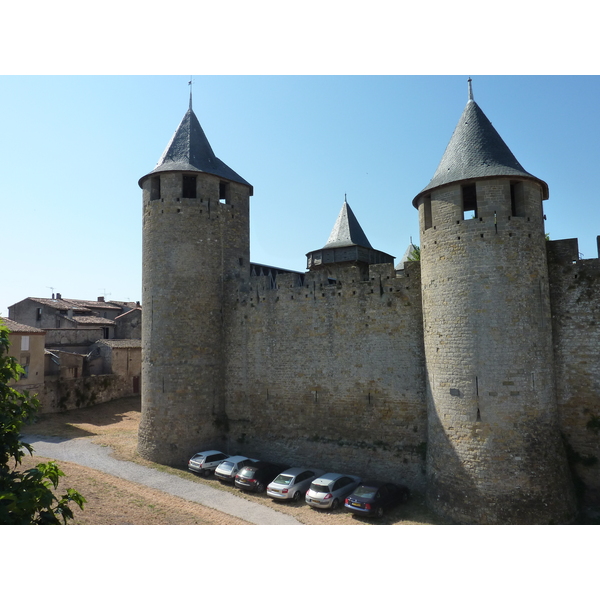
115 501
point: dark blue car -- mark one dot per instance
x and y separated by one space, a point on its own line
373 498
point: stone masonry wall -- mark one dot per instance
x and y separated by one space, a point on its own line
189 260
574 292
330 375
494 450
65 394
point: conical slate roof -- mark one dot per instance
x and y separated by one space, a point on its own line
406 256
347 231
189 150
475 151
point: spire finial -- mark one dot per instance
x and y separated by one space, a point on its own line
345 201
190 84
470 90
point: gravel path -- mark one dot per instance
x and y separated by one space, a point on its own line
87 454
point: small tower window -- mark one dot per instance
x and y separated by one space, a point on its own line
427 212
189 186
155 188
469 199
224 192
517 199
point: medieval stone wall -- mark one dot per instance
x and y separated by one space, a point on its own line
330 374
65 394
575 290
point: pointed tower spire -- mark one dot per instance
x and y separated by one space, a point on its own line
476 151
347 230
189 150
347 243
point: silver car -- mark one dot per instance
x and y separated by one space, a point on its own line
205 463
330 490
229 468
292 483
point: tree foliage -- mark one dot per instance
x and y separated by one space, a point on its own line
415 254
26 497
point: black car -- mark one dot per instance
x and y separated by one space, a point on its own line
257 476
372 498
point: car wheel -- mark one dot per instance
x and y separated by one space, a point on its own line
379 512
297 496
260 488
335 504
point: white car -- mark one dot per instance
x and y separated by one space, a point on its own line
205 463
292 483
229 468
330 490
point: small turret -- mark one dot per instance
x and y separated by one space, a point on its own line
347 244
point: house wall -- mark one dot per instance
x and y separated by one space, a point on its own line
129 325
26 312
73 338
330 375
30 355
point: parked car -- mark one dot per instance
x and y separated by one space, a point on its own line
205 463
292 484
256 477
373 498
329 490
229 468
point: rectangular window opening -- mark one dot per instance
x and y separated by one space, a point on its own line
224 192
427 212
517 199
189 186
469 199
155 188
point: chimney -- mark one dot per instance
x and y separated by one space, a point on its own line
58 296
100 298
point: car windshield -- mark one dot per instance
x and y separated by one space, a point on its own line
365 492
247 471
320 489
226 465
284 479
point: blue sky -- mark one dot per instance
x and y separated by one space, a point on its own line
74 148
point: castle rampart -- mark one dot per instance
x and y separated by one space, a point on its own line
331 374
574 292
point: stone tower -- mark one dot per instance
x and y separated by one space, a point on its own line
195 250
494 452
